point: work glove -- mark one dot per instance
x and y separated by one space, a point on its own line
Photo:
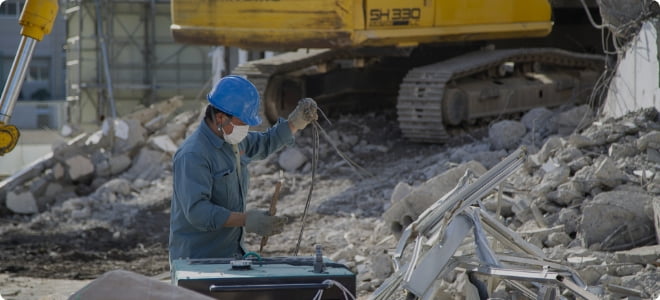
259 222
304 113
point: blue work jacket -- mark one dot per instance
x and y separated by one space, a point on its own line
207 189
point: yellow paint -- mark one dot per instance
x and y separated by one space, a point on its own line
38 18
9 135
278 24
399 14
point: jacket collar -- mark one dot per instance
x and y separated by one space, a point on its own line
210 135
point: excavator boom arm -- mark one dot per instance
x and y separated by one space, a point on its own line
37 21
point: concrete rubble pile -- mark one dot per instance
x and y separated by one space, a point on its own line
589 199
587 196
95 180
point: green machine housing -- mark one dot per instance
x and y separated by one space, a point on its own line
287 277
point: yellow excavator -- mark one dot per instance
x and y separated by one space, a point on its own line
37 21
440 63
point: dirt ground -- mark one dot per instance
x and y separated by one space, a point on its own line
49 264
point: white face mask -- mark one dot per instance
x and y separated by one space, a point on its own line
237 134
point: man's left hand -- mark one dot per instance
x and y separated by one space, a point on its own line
304 114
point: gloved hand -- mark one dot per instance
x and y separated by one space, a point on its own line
304 113
259 222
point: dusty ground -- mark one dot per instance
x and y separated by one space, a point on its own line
42 258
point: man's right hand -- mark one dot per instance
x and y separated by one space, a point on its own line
259 222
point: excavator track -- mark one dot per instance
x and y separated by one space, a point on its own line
423 89
422 105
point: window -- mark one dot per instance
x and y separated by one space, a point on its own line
39 70
11 8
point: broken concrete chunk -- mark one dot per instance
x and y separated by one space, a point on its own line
573 119
291 159
403 212
585 177
175 131
168 106
113 165
119 164
22 202
147 165
569 154
653 155
506 134
539 120
641 255
38 186
53 189
591 274
569 217
580 141
118 186
156 123
401 190
530 229
579 163
381 265
163 143
79 167
627 269
136 137
521 208
489 158
557 239
617 150
628 220
58 171
567 194
649 140
551 145
120 128
505 205
552 180
608 174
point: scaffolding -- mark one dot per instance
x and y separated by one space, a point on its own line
120 55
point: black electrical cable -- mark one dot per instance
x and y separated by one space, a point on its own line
315 159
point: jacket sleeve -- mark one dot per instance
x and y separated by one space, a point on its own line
193 183
259 145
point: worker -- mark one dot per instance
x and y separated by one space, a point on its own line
208 216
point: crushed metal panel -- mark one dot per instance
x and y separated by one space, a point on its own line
454 209
436 259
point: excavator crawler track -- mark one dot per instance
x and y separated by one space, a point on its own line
419 104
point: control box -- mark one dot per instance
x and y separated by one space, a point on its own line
288 277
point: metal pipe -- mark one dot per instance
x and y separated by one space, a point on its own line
16 76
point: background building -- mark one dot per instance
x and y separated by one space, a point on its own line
120 54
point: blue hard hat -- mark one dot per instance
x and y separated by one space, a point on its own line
238 97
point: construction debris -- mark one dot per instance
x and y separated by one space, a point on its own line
606 170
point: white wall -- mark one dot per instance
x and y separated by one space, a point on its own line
636 83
